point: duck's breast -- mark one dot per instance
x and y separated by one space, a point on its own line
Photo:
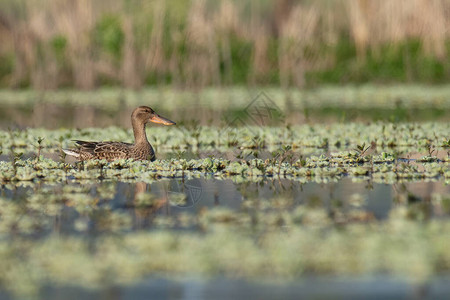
143 152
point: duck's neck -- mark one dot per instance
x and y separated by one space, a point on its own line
140 137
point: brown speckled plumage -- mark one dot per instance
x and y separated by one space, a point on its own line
140 150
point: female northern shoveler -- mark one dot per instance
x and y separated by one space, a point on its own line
140 150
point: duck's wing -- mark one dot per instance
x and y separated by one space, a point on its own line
103 150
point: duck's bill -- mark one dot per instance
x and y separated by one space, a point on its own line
161 120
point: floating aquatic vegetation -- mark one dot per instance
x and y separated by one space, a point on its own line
275 237
109 241
378 167
413 136
285 249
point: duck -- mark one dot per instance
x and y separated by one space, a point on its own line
140 150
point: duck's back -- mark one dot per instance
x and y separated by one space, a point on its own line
103 150
114 150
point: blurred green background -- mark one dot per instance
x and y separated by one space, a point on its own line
49 44
345 175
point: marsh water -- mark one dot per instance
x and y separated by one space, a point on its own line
174 196
177 198
373 201
91 210
221 288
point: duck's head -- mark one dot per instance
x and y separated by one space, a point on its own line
144 114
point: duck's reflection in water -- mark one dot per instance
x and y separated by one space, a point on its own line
166 195
146 204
